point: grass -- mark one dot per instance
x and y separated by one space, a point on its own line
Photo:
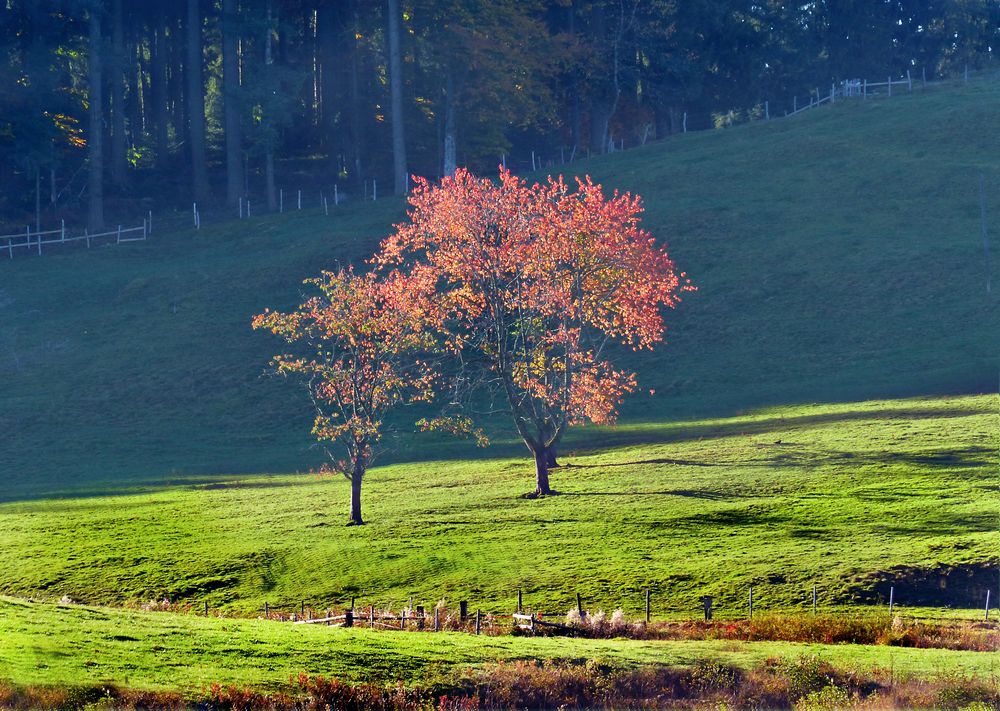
60 645
851 498
838 255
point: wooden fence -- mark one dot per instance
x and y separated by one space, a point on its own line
417 618
32 241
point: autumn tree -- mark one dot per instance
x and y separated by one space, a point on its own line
536 282
362 345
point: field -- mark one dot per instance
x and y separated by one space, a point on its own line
825 414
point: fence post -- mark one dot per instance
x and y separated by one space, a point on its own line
684 122
967 73
267 610
206 608
420 617
532 160
87 235
478 622
349 618
150 221
647 606
814 599
986 617
909 80
707 602
281 200
402 619
371 616
579 606
248 208
463 611
892 594
326 207
437 619
336 196
63 230
833 93
374 190
795 104
300 199
767 111
864 93
519 601
751 602
119 235
889 84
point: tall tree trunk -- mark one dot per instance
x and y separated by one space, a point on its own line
176 84
396 87
550 457
196 101
38 198
357 145
541 472
356 478
95 141
450 163
272 195
327 41
231 103
158 78
119 142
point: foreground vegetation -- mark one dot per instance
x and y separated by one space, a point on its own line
51 644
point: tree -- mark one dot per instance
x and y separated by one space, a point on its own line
196 101
396 86
364 339
534 284
232 103
95 137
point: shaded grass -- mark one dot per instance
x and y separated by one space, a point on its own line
837 254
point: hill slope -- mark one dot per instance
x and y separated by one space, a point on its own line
838 257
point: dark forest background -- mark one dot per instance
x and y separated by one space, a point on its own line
105 104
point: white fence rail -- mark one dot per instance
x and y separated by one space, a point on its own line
32 241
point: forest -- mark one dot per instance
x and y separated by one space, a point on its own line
105 103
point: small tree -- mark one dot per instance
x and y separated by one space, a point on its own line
537 281
364 340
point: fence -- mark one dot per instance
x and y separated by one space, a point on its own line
36 240
417 618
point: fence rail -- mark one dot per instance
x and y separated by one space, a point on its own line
35 240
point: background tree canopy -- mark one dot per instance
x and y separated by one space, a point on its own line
306 87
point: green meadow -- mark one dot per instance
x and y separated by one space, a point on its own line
825 413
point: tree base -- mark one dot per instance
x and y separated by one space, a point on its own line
538 495
352 522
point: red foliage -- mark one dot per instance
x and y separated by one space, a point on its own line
534 281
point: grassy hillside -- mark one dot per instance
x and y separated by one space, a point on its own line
852 498
50 644
838 256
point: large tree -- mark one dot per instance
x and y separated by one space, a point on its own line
95 136
534 283
232 102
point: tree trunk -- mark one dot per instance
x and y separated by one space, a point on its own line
95 141
272 193
119 143
542 472
357 112
356 478
450 163
231 103
550 457
196 102
158 78
396 87
38 198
